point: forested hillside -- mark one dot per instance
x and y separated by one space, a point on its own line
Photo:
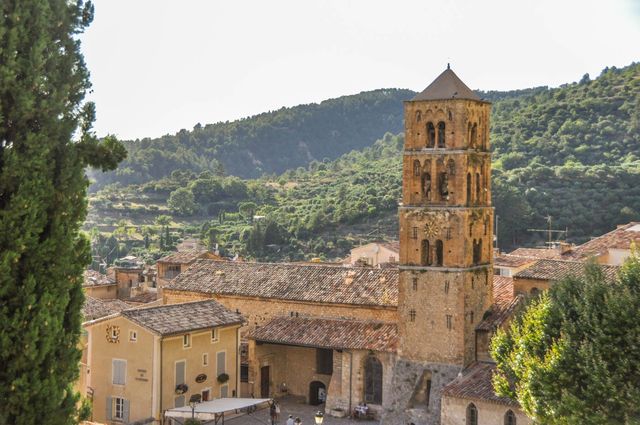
571 153
272 142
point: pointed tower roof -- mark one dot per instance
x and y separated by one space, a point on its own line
447 86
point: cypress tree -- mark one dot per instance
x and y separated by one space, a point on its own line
46 142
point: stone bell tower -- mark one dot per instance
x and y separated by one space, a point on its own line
446 239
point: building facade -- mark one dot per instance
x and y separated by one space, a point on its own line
144 361
445 282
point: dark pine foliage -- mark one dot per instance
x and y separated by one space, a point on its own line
43 81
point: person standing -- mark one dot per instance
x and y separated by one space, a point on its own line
272 411
290 420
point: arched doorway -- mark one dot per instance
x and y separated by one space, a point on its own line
317 393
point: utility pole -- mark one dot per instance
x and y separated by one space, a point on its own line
496 234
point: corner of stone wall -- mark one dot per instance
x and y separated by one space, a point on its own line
406 377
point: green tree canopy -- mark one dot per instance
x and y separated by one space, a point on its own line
182 202
43 81
573 356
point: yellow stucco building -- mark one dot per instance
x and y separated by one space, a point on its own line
144 361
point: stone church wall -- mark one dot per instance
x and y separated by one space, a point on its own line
258 311
454 412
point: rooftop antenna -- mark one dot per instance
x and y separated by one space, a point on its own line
550 232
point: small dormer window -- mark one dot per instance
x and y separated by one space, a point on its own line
186 341
215 335
133 335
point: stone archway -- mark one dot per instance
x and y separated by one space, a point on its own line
317 393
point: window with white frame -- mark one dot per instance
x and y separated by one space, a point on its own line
118 408
186 340
205 359
215 335
133 335
119 371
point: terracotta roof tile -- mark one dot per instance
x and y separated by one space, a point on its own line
143 298
447 86
536 253
504 304
509 260
94 308
620 238
183 257
475 384
180 318
299 282
557 269
94 278
392 245
329 333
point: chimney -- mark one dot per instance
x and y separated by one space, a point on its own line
564 247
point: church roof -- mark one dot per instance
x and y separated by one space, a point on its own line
329 333
474 383
447 86
504 304
333 284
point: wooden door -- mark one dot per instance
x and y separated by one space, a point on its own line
264 382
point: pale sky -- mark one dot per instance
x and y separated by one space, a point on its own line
158 66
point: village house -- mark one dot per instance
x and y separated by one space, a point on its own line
92 309
541 274
128 273
143 361
374 254
507 265
172 265
98 285
612 248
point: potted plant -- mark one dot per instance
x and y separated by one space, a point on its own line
181 389
222 378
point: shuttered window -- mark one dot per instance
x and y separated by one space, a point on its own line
180 372
119 371
224 391
180 401
221 362
117 409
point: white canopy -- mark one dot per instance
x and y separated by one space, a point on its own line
211 410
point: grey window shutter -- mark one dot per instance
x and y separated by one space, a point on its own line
224 391
109 408
180 401
126 411
119 372
180 366
220 362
